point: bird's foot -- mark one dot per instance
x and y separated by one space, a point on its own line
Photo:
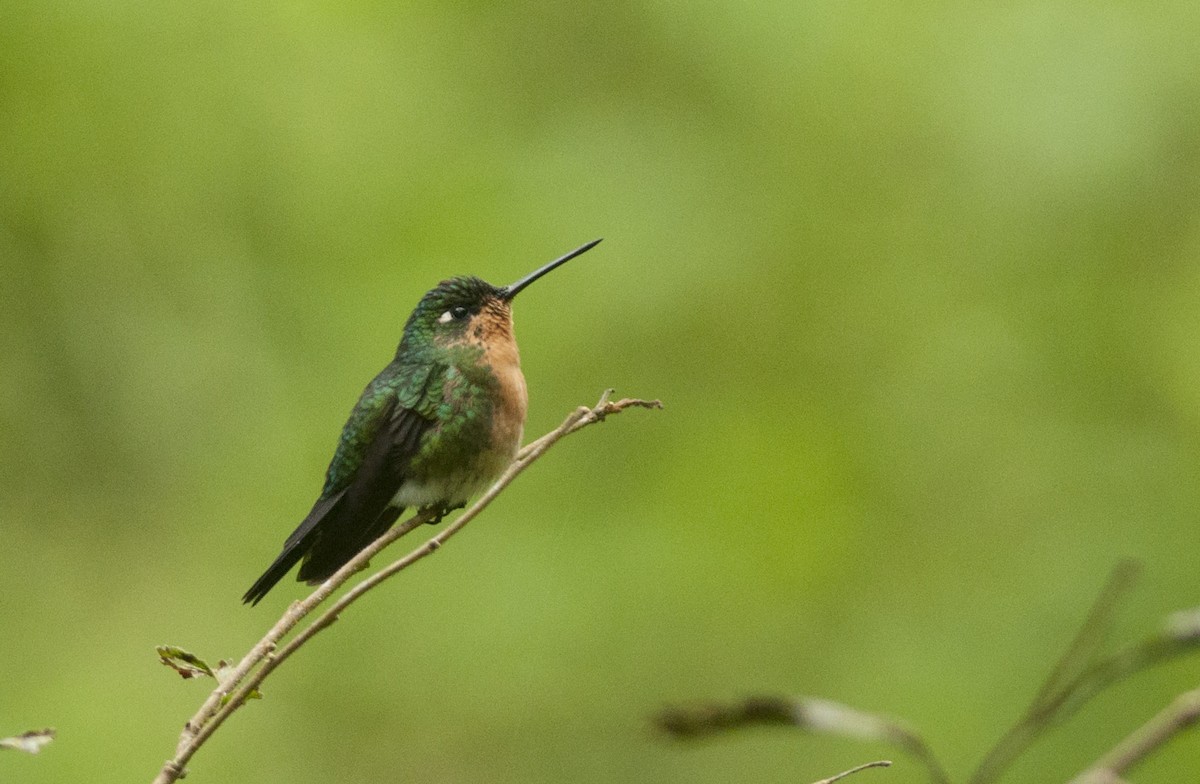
441 512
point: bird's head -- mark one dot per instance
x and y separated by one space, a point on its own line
458 310
469 310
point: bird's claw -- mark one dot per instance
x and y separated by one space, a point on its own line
441 512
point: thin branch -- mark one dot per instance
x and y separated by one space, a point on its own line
1055 690
219 700
1180 635
266 655
806 713
852 771
1090 636
1171 641
1182 713
1075 679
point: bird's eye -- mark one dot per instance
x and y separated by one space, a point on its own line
456 313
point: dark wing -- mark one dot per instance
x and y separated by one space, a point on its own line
344 522
364 512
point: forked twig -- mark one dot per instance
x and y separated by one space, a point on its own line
1078 677
1055 690
266 655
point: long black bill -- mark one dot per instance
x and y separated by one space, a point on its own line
508 292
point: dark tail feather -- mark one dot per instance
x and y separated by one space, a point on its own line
295 548
331 553
275 572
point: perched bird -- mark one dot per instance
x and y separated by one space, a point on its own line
438 424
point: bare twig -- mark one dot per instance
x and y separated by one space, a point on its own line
266 655
1169 642
1076 678
1182 713
813 715
1054 690
1089 638
852 771
1075 681
30 742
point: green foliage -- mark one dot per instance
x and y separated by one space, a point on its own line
186 663
189 666
918 285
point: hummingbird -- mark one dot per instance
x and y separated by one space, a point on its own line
437 425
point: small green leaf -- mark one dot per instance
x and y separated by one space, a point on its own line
186 663
29 742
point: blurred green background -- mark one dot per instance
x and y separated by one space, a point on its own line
917 284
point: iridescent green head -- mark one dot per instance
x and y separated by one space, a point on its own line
467 308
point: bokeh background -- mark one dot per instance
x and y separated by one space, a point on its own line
918 285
